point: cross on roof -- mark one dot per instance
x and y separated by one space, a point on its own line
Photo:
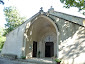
41 8
51 6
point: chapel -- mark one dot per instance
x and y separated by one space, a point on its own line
49 34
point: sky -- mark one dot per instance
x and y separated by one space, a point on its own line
28 8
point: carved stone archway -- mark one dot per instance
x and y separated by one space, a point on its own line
40 29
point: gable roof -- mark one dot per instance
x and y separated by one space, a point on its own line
74 19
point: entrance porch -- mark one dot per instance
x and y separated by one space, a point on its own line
42 39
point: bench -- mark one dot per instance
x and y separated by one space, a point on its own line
9 56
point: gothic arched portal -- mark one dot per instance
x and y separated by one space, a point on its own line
42 38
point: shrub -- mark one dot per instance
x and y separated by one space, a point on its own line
57 60
23 57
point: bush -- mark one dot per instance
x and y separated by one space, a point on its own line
23 57
57 60
0 50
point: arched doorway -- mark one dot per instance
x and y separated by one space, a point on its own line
42 38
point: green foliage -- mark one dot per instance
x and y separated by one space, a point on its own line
80 4
23 57
13 19
57 60
2 38
1 2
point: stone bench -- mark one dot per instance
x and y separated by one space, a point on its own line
9 56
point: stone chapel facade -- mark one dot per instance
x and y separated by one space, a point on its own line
49 34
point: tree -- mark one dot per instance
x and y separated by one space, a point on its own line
1 2
13 19
80 4
2 38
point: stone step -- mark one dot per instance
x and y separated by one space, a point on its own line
12 58
41 60
9 56
9 61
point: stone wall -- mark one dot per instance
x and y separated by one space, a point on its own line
14 41
71 41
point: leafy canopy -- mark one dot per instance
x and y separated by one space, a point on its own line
1 2
13 19
2 38
80 4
